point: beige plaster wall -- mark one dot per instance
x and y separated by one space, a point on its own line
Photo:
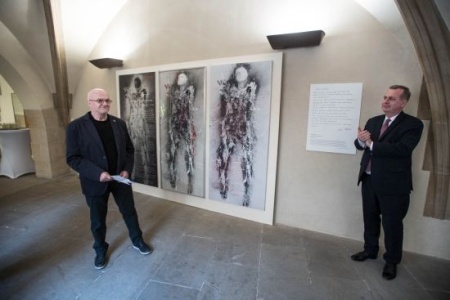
315 190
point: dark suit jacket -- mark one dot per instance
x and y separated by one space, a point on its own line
391 153
86 155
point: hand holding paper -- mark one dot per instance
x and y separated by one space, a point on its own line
122 179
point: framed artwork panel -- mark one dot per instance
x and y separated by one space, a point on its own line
182 130
240 101
137 108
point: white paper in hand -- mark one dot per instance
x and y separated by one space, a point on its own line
122 179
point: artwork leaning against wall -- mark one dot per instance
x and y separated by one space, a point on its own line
182 130
216 136
137 109
240 119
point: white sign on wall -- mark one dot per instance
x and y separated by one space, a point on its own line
333 119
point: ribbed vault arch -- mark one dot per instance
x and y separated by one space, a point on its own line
431 39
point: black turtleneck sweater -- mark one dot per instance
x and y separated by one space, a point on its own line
106 134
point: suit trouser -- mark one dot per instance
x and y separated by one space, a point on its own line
98 206
389 210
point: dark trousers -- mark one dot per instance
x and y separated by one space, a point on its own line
388 210
98 205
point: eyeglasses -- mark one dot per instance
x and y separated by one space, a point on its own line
101 101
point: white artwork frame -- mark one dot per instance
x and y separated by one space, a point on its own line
265 215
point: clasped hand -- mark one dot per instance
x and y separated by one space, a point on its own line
364 136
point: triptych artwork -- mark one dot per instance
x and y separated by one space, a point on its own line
203 130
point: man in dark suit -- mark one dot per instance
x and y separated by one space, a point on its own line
388 141
99 146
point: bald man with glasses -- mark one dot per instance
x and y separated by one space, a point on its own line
98 147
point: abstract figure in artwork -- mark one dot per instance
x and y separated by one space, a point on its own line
237 104
181 95
136 101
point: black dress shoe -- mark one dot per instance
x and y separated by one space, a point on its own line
363 255
389 271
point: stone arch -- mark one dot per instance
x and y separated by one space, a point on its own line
431 39
47 132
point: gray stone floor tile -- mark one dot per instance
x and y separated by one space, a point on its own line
242 232
284 273
166 291
332 267
439 295
207 225
244 254
404 286
208 292
230 281
188 262
341 288
282 235
46 253
433 273
288 290
323 246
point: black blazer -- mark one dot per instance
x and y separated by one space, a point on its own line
391 153
86 155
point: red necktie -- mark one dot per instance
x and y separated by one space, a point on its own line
382 130
384 127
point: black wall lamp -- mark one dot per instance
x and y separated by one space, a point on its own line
106 63
297 39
